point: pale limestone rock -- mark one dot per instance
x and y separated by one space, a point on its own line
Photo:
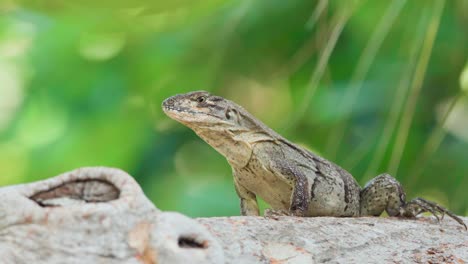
96 215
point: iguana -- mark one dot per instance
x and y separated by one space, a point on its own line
291 179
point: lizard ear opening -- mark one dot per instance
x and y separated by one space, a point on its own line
231 114
228 114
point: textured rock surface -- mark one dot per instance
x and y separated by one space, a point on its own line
96 215
339 240
100 215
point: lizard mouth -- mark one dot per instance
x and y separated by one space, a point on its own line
178 112
175 110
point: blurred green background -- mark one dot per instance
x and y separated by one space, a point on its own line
376 86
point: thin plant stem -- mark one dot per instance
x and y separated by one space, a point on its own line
351 161
321 7
362 68
433 143
305 52
415 88
340 21
398 101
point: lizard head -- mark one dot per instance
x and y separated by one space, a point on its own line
223 124
201 109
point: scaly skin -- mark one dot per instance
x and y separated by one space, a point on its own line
288 177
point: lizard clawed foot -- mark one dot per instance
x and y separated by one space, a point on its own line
275 214
420 205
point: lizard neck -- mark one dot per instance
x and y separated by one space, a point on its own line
236 152
234 138
235 145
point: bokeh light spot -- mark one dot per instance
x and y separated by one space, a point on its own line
101 47
41 124
456 123
11 91
464 79
16 39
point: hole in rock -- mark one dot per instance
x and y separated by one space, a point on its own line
190 242
74 192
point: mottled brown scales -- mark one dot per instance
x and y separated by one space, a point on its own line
288 177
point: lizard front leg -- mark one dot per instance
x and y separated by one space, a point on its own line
301 186
248 200
385 193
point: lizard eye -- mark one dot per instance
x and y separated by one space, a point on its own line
201 99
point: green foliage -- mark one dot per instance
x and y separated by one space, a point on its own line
81 84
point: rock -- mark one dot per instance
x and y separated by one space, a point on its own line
96 215
100 215
339 240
